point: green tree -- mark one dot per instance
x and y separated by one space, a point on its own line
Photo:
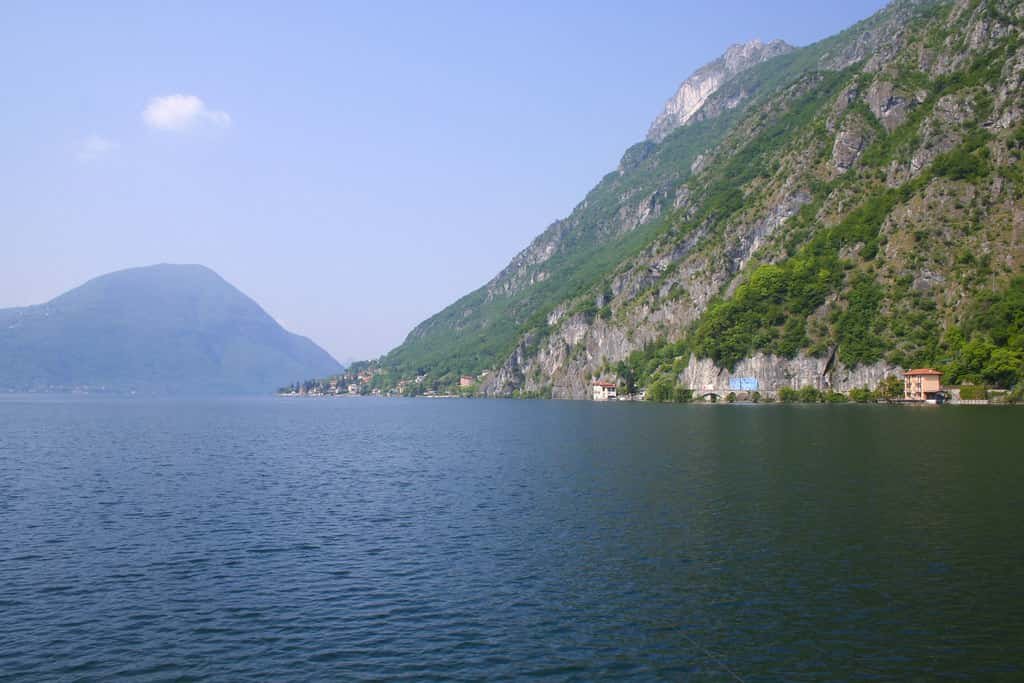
788 395
809 394
660 390
682 395
891 388
861 395
627 375
1003 367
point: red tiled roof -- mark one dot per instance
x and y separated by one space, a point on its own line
606 385
921 371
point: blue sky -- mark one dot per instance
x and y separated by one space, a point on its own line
353 167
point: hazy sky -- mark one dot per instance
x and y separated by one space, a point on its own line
354 168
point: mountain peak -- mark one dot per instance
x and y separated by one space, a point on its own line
158 329
705 81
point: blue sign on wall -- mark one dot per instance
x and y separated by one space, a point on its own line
742 384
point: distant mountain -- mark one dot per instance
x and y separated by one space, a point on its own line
164 329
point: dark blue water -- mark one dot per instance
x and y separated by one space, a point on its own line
358 538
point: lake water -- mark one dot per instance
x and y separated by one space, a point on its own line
278 539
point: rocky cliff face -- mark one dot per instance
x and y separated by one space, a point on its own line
695 90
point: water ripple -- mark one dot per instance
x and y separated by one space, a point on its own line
468 540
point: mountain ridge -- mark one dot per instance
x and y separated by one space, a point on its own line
708 79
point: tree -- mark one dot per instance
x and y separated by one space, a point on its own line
1003 367
682 395
660 390
891 388
861 395
809 394
627 376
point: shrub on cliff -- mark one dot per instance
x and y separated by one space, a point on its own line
809 395
682 395
862 395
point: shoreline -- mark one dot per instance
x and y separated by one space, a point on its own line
893 404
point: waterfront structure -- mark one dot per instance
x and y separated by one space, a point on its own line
743 384
604 391
922 384
466 381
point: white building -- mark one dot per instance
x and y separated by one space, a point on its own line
604 391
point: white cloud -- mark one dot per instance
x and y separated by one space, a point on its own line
179 112
95 147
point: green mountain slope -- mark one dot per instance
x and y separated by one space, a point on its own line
827 217
482 328
155 330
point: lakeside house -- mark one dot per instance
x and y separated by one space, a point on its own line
604 391
467 381
922 384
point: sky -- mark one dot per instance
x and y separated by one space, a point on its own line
353 167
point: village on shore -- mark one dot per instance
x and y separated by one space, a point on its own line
364 379
920 386
916 386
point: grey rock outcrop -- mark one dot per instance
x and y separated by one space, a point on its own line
773 373
889 105
695 90
849 144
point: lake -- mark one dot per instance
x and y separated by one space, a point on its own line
299 539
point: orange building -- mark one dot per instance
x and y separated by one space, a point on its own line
922 384
467 381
